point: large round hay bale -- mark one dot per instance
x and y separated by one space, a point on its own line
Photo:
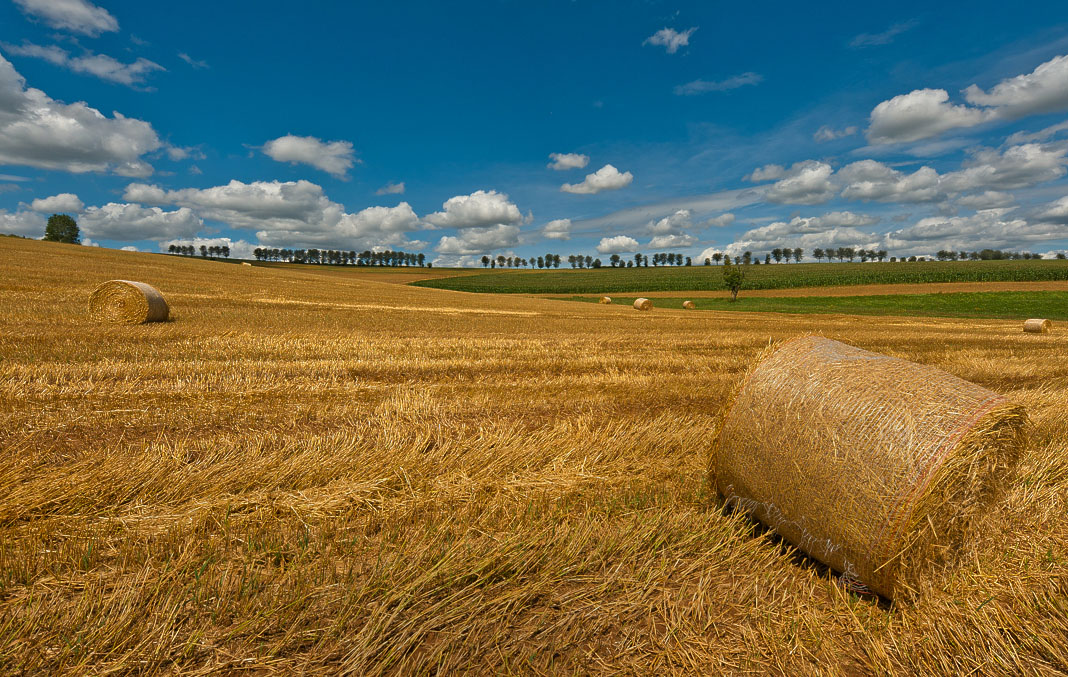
876 466
643 304
688 305
126 302
1036 326
607 300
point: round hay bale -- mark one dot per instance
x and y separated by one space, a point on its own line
688 305
607 300
245 263
126 302
643 304
875 466
1037 326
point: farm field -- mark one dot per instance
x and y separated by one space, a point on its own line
777 276
1006 305
314 472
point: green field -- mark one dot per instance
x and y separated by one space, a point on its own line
1005 305
778 276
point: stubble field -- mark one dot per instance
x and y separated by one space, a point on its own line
323 473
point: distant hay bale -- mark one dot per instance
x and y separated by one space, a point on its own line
876 466
607 300
245 263
643 304
688 305
1036 326
126 302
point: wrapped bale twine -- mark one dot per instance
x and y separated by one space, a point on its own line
126 302
607 300
876 466
643 304
688 305
1037 326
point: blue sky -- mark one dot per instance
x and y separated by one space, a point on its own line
526 128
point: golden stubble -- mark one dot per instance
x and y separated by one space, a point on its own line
318 471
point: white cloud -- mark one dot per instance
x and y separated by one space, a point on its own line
703 86
988 228
391 189
806 183
129 248
884 38
804 225
825 133
766 173
671 225
924 113
670 39
761 241
479 240
64 202
333 157
118 221
672 241
292 213
605 178
29 224
721 221
1044 90
872 180
77 16
920 114
100 65
1055 212
559 229
1041 135
708 254
38 131
1015 167
193 62
477 210
617 245
562 161
986 200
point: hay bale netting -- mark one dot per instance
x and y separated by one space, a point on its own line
876 466
1036 326
126 302
688 305
607 300
643 304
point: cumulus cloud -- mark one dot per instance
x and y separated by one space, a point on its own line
617 245
477 210
559 229
38 131
605 178
986 200
758 240
1055 212
562 161
333 157
804 225
479 240
123 221
924 113
806 183
703 86
391 189
869 180
25 223
77 16
988 228
766 173
1015 167
99 65
291 213
673 224
672 241
721 221
825 133
670 39
64 202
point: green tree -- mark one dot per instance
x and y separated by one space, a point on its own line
777 253
717 257
733 278
798 254
62 228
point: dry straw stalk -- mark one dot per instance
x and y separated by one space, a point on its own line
607 300
127 302
643 304
1038 326
876 466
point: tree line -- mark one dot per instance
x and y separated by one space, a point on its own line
342 258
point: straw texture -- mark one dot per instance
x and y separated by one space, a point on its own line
607 300
1037 326
643 304
688 305
876 466
127 302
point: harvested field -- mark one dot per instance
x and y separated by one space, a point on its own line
342 481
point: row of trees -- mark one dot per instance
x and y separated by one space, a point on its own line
988 255
546 261
342 258
205 251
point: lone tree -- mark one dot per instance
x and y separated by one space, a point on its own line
62 228
733 277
